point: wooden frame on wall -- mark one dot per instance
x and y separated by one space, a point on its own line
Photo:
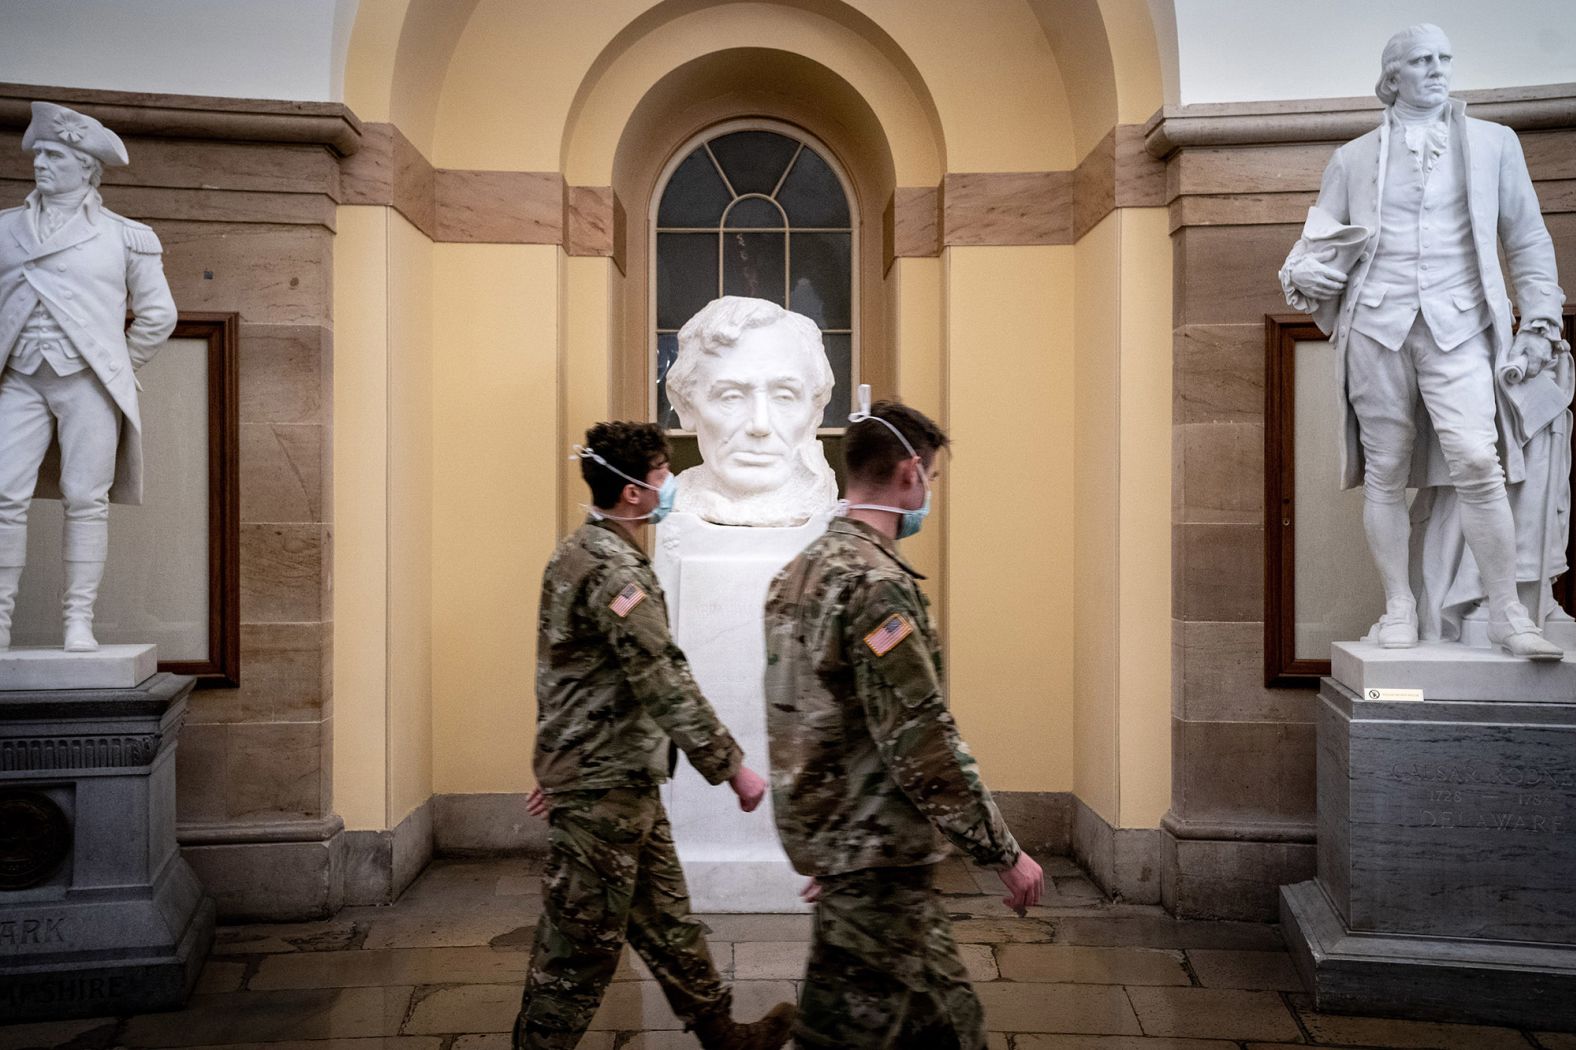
222 666
1282 667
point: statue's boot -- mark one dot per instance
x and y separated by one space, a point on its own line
721 1032
1398 625
1512 630
13 554
86 546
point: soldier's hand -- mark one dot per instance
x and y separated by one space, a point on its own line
1025 882
811 892
536 803
749 786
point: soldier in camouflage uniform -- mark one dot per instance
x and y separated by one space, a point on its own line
614 695
870 778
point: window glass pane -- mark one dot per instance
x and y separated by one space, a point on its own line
686 275
756 212
695 195
811 195
667 350
820 268
754 160
753 265
840 354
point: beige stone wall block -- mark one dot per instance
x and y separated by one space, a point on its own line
1550 154
1140 178
1219 676
1245 209
158 204
273 770
1094 186
1252 169
414 185
1002 208
199 770
1218 571
285 671
1218 374
1557 195
282 471
367 176
1250 773
284 573
193 163
916 221
268 273
1226 274
499 207
285 372
1224 467
589 227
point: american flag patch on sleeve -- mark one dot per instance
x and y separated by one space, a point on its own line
893 629
626 600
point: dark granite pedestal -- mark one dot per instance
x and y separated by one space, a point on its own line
1446 885
99 914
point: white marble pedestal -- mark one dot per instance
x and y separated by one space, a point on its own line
51 667
715 578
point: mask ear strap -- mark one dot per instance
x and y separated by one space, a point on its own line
863 413
583 452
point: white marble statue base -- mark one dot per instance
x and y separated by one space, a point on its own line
1450 671
715 578
110 667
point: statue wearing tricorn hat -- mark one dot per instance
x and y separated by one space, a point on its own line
69 271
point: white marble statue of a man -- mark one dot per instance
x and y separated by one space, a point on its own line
1421 316
751 379
69 270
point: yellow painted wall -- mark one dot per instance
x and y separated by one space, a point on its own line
1097 324
915 323
497 456
1009 530
411 371
360 470
1144 746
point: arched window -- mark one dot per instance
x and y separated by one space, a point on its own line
756 209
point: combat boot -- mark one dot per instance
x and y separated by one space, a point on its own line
721 1032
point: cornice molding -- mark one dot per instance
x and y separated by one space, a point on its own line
1545 107
329 124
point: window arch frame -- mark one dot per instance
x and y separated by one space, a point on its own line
850 197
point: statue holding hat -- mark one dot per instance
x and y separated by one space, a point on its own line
1400 264
70 270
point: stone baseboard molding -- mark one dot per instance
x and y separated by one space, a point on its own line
1124 862
275 871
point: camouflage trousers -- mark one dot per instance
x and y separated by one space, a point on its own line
884 971
612 873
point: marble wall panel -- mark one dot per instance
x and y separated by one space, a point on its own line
1217 675
1030 207
1140 178
283 465
588 220
1217 572
414 185
1223 464
1550 154
285 373
1246 209
1556 195
1094 186
199 771
916 221
1248 773
1218 374
286 677
1214 879
267 273
284 572
1227 274
189 164
273 770
501 207
156 205
1251 169
367 176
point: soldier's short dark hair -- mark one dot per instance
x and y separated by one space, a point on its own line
635 448
871 451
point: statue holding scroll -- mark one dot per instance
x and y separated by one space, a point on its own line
1399 264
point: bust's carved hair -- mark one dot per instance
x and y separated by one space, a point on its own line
720 324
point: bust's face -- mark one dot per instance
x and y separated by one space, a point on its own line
57 169
1423 79
753 410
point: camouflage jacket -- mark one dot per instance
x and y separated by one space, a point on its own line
867 762
611 687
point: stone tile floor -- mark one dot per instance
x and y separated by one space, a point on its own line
441 970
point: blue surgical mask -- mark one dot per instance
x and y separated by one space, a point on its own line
665 492
913 520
